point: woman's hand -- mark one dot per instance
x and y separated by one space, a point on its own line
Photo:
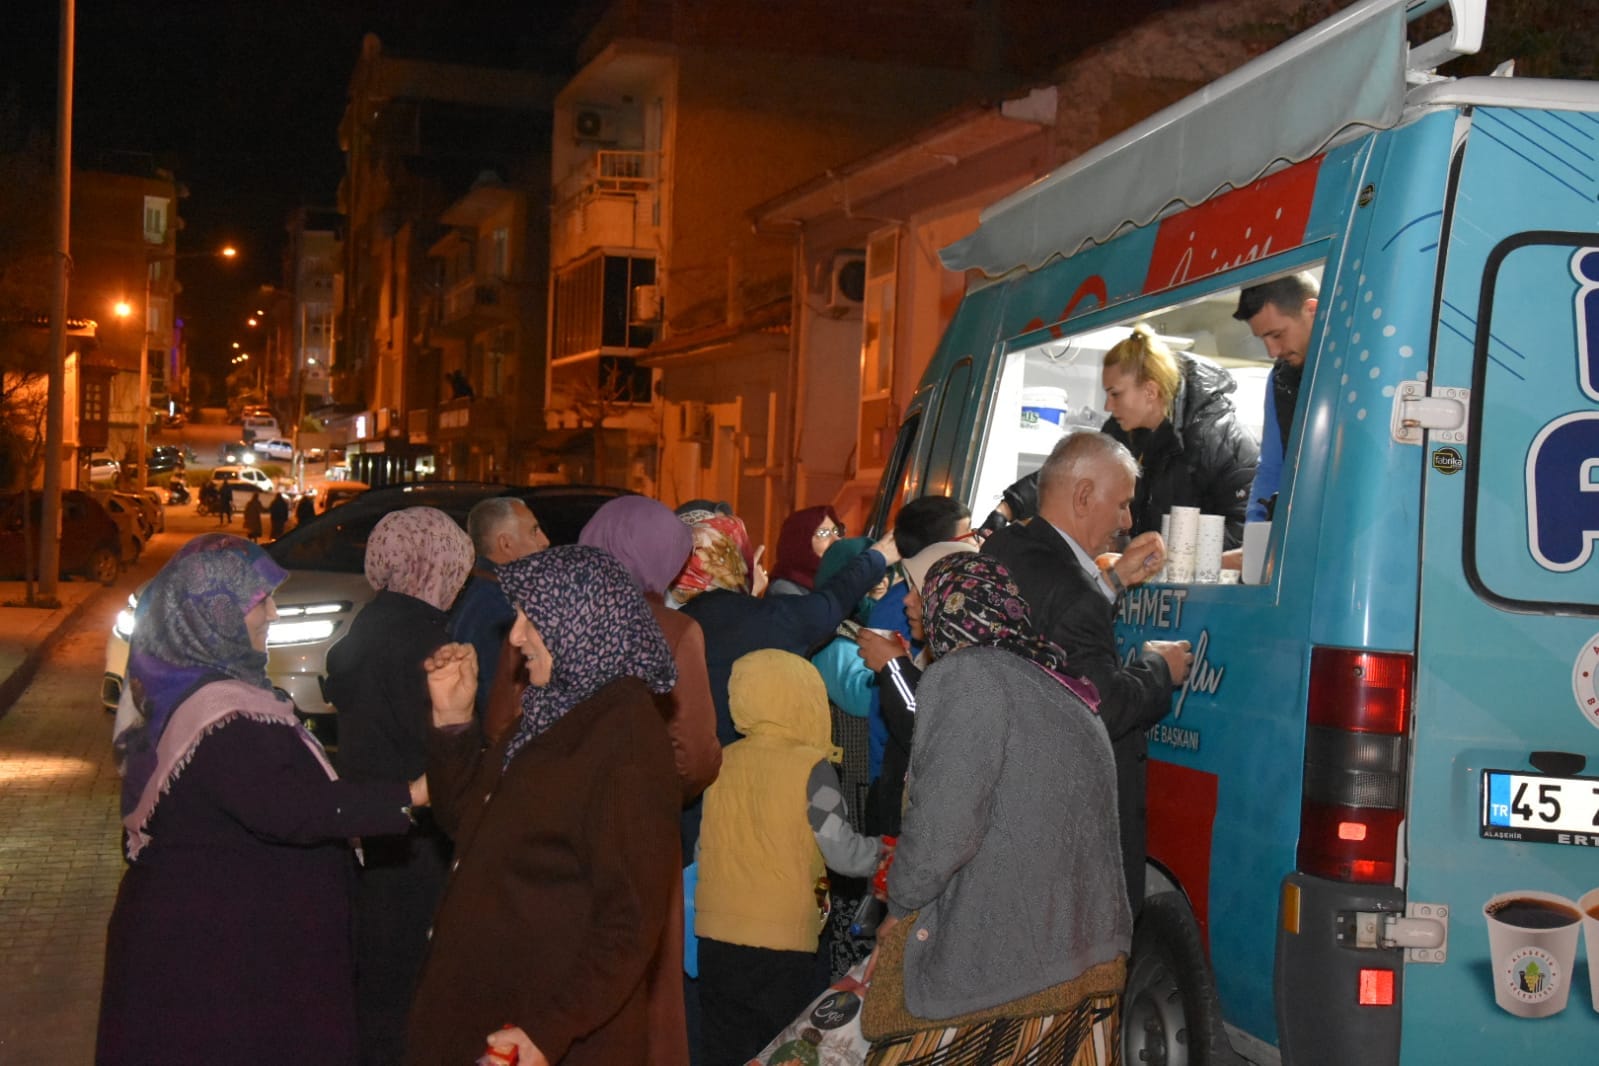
527 1052
1142 560
419 791
452 683
758 575
888 549
878 650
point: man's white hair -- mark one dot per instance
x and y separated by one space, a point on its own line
1079 456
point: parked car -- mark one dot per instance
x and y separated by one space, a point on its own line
157 511
338 492
103 469
165 458
327 587
247 477
275 448
90 544
129 517
315 455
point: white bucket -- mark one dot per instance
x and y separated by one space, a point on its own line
1044 404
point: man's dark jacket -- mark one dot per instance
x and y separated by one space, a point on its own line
1069 608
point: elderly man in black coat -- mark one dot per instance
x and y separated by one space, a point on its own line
1085 491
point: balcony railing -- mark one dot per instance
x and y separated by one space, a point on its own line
609 173
471 296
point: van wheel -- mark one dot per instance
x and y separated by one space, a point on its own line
1170 1015
103 566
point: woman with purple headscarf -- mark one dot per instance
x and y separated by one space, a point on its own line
231 930
556 919
417 559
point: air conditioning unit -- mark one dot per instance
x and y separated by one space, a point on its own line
594 124
646 303
846 284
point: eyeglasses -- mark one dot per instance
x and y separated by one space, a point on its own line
831 531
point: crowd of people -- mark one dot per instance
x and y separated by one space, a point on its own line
537 740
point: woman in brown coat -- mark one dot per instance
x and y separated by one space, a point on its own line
555 919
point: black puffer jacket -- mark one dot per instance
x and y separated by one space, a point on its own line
1199 457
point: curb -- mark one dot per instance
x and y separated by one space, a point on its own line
15 685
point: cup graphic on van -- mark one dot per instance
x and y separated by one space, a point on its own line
1532 939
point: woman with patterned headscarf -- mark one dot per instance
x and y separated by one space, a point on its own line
231 928
1012 810
417 559
555 921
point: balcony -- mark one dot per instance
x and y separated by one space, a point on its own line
474 304
611 199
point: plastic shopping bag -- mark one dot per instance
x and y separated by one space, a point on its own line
828 1032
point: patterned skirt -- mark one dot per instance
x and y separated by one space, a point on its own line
1088 1035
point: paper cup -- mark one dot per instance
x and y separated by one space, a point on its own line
1230 577
1257 535
1182 544
1207 550
1589 906
1532 939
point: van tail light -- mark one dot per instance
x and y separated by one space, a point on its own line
1355 764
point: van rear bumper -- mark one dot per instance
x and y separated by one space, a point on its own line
1318 975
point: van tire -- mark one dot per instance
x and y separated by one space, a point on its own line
103 566
1171 1015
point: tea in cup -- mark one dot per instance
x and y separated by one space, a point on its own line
1532 938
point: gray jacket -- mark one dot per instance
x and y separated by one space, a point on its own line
1010 847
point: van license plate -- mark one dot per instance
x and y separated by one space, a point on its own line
1539 807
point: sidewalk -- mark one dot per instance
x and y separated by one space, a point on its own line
27 633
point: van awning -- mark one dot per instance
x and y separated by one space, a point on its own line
1284 106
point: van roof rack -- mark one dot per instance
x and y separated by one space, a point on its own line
1350 70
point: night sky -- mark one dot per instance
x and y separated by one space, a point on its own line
241 101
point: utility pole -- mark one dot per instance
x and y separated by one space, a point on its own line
55 402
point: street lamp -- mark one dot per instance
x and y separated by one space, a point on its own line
123 309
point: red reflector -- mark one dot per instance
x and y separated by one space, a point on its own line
1361 691
1351 830
1376 988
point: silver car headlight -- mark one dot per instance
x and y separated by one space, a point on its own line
304 624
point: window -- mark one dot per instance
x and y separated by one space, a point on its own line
594 305
1050 383
500 253
155 219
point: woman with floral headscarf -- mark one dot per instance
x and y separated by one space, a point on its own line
231 930
555 918
417 559
1012 812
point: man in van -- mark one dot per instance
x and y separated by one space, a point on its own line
1085 492
1281 312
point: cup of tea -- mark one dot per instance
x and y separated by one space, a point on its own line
1589 906
1532 939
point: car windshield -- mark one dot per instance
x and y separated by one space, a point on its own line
336 541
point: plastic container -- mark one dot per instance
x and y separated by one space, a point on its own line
1044 404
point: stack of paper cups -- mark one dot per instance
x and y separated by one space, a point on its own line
1182 545
1164 575
1207 554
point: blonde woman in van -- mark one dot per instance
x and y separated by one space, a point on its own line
1174 411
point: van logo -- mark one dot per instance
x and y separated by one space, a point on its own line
1585 268
1447 461
1563 492
1585 680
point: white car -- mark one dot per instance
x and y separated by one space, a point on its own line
236 477
103 469
275 448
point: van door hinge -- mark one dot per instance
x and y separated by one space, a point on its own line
1422 931
1443 414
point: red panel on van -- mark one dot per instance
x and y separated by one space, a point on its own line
1261 219
1182 808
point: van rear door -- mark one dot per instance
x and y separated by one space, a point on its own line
1503 815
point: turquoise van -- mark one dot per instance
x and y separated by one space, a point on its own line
1374 805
